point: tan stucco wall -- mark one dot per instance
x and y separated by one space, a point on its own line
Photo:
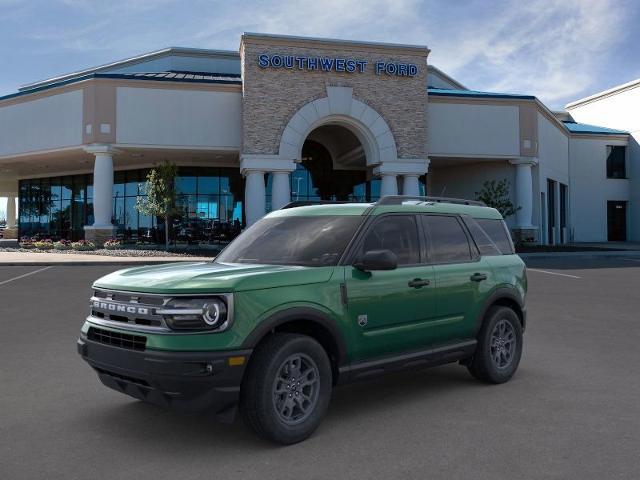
272 96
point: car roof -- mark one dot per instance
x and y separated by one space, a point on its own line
410 206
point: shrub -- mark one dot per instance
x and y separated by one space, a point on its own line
26 242
43 244
83 245
112 244
62 245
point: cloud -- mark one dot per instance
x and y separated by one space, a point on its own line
558 50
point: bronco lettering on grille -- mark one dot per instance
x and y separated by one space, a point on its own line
115 307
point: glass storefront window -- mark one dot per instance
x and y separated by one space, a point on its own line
210 205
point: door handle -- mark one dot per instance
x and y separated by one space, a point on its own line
478 277
418 282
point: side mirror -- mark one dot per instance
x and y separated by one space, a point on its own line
377 260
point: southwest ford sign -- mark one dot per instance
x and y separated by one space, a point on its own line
331 64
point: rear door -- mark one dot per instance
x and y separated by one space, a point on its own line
389 311
462 277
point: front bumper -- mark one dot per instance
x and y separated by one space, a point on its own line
194 381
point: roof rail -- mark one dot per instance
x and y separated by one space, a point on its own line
399 199
306 203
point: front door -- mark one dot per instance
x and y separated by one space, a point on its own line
617 221
389 311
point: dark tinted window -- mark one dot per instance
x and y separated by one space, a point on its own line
308 241
448 241
498 233
485 244
616 167
398 233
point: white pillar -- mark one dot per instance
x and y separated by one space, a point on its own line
103 190
389 184
254 196
280 190
11 211
410 185
524 192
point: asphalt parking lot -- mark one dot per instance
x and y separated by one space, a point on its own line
571 412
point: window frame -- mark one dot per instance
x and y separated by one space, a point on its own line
473 248
354 247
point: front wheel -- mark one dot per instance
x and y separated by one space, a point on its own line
499 347
287 388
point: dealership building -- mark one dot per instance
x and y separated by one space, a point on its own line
295 119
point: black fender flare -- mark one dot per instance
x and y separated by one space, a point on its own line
300 313
502 293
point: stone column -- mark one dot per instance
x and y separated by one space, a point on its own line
254 196
389 184
524 227
102 228
410 185
11 211
11 232
280 190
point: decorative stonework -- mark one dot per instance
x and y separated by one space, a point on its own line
98 235
271 96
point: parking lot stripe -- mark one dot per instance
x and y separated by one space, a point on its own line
25 275
552 273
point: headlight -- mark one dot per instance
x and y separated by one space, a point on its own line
195 313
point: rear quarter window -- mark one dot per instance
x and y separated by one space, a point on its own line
499 235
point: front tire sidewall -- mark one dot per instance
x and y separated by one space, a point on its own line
271 426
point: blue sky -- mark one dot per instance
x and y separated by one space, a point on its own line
557 50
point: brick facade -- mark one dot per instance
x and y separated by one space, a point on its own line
271 96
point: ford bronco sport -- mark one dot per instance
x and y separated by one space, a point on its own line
308 298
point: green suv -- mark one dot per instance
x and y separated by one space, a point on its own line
308 298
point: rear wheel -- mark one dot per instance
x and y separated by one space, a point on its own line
287 388
499 346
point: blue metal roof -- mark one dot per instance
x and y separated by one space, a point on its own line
444 92
188 77
575 127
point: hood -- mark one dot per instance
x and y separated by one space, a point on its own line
209 277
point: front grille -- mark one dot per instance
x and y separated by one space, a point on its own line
117 339
128 308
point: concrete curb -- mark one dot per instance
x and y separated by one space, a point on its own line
592 254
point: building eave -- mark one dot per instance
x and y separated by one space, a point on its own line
603 94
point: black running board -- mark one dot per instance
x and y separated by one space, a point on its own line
416 359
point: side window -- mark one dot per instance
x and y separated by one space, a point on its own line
498 233
484 243
449 243
398 233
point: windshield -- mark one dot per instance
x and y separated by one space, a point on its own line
307 241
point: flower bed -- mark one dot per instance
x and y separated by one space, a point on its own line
83 245
113 244
62 245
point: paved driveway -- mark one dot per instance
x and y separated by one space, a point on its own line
572 411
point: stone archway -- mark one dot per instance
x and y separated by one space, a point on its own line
340 108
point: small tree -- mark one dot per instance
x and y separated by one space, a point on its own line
160 200
496 195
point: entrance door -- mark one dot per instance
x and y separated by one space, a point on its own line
389 311
617 221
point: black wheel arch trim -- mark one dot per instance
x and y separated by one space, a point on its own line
300 314
503 293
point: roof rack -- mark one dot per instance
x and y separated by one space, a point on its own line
306 203
399 199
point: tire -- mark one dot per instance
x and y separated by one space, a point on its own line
276 405
499 347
